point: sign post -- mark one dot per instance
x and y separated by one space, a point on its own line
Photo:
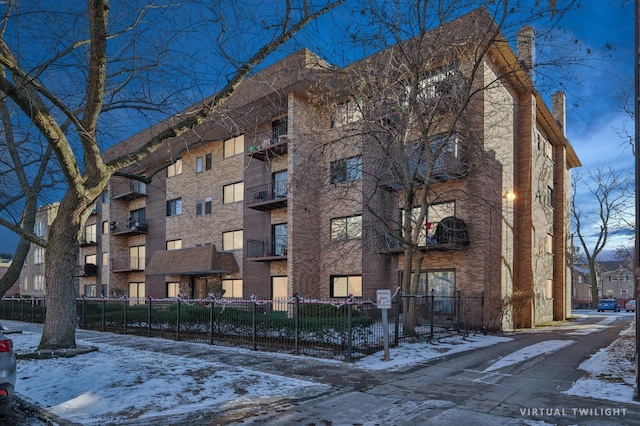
383 300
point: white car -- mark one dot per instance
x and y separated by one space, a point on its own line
630 306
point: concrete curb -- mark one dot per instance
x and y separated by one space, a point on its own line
42 414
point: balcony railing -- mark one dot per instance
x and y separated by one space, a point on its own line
89 239
128 190
266 248
128 227
267 197
269 148
449 234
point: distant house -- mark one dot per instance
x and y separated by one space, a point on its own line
581 287
616 280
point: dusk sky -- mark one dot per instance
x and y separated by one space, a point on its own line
594 115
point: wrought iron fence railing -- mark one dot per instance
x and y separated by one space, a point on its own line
345 329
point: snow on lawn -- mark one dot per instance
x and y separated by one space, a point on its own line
611 371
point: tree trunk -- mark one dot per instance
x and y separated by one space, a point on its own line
61 259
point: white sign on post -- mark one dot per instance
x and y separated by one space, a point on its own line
383 300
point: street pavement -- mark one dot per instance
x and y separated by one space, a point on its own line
452 390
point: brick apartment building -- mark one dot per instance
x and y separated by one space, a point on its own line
248 204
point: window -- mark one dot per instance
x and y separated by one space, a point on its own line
233 146
345 113
208 162
549 293
174 244
105 197
199 165
346 228
233 193
549 244
232 288
550 196
342 286
548 150
435 214
105 258
38 229
279 128
280 239
173 289
90 268
25 283
105 227
174 207
207 205
175 168
90 258
199 208
90 233
279 293
280 184
137 258
90 290
443 284
38 255
232 240
434 84
38 282
136 293
346 170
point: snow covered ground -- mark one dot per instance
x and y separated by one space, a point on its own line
108 385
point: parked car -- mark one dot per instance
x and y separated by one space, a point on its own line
608 305
630 306
7 374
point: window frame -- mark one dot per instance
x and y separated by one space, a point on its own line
355 292
175 168
174 207
236 235
236 191
345 170
199 165
342 232
233 146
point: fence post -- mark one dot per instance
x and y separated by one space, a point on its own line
149 318
432 297
178 321
212 319
296 314
396 339
458 313
349 331
254 323
104 315
124 323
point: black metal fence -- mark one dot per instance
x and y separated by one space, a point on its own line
345 329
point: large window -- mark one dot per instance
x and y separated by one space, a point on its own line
174 244
342 286
199 165
280 239
232 240
233 146
443 284
175 168
38 229
90 233
38 255
173 289
38 282
137 257
280 184
232 288
233 193
345 113
346 170
174 207
136 293
279 293
346 228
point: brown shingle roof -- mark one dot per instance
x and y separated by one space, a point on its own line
192 261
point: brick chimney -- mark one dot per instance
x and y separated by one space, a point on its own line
559 110
525 46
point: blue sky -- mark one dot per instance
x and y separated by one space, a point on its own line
593 111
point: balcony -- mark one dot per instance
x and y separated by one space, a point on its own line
266 249
88 240
127 227
87 270
267 197
128 264
129 190
447 167
449 234
269 148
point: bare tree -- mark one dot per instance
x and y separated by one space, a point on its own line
96 65
600 213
